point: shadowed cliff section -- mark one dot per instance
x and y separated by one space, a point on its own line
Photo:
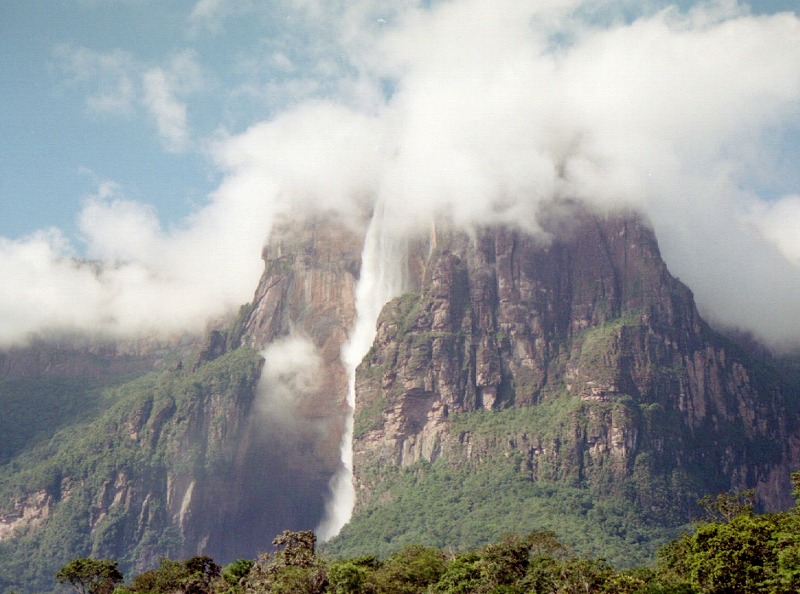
141 479
141 450
306 296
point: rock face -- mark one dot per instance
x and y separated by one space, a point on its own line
141 479
305 297
589 317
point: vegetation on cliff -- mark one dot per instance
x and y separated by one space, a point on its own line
569 385
566 387
107 484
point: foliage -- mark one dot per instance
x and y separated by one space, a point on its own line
737 551
90 576
198 575
465 501
346 577
410 570
292 569
233 573
727 506
36 408
750 553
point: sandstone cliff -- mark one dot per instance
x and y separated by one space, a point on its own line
570 364
306 297
190 460
622 389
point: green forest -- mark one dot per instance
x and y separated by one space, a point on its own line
733 550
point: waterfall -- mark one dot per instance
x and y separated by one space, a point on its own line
383 276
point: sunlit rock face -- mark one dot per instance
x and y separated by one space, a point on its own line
588 313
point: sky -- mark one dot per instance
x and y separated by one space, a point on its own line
160 140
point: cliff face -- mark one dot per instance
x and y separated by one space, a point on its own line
306 297
643 400
208 455
571 364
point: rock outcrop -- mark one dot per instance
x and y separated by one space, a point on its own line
306 296
655 406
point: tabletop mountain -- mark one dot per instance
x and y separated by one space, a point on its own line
561 379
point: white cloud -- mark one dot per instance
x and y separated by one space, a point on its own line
168 112
779 223
161 89
113 74
207 10
497 108
120 84
209 16
492 109
143 280
290 375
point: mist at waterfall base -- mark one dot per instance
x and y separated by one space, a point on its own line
290 472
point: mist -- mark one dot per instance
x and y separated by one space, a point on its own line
479 113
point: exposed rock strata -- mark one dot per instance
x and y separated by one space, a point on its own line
585 328
502 319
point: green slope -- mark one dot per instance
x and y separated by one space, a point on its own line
137 432
454 504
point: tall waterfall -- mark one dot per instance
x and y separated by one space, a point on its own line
384 274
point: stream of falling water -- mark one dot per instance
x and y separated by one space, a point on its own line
383 276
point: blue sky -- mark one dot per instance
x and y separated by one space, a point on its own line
164 138
56 146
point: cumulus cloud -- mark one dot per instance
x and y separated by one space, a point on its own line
208 13
168 112
140 279
495 109
480 112
160 96
777 222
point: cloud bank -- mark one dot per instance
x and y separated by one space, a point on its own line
481 112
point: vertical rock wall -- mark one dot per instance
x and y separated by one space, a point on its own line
590 315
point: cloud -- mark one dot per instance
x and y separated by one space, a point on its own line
209 16
161 88
206 11
113 75
777 222
291 376
481 112
168 112
121 85
140 279
493 110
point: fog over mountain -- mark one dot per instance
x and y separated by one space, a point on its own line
478 112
